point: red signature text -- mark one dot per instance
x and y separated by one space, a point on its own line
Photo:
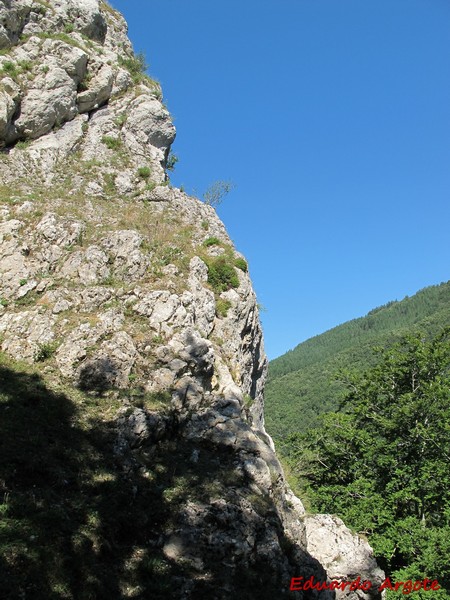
299 583
409 586
406 587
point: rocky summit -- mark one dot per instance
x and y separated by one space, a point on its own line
134 460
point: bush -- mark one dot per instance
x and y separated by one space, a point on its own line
149 400
222 275
169 254
216 192
172 160
45 351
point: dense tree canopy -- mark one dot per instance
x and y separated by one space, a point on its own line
382 462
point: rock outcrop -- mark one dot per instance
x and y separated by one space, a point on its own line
130 291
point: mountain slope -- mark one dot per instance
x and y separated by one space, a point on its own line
301 382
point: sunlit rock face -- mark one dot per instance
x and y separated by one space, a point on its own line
107 283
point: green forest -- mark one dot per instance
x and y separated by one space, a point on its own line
366 435
302 383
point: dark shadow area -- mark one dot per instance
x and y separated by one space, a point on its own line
98 375
79 522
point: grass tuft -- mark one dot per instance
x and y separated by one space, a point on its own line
111 142
241 264
211 241
144 172
222 307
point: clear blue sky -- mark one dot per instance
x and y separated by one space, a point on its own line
332 117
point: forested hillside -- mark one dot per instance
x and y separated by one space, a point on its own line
301 383
382 462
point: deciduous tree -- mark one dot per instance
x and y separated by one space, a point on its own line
383 461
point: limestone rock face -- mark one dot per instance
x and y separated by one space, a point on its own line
23 17
69 58
105 280
344 555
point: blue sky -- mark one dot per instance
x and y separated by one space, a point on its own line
332 118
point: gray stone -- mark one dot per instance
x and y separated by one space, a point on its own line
111 366
98 92
51 100
9 96
89 267
343 554
85 15
150 122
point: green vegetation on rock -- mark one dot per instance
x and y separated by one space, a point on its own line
211 241
144 172
241 264
222 274
137 67
216 192
222 307
111 143
171 161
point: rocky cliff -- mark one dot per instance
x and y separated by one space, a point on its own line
135 463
